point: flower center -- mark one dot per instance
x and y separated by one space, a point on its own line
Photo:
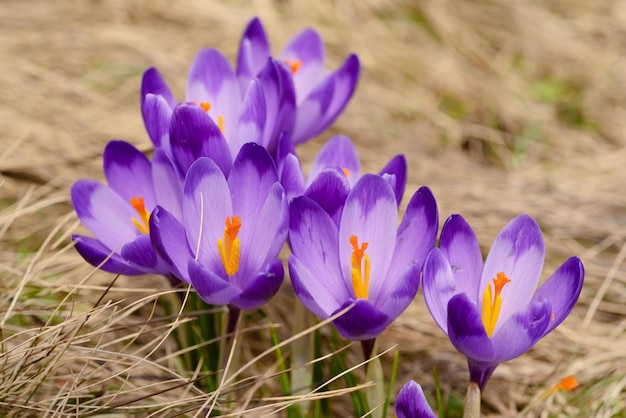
294 65
360 270
492 302
229 247
206 106
142 224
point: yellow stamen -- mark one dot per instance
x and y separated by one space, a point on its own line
143 224
492 303
360 277
294 65
220 123
346 172
229 248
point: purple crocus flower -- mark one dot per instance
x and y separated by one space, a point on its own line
257 113
493 312
118 214
367 260
411 402
335 170
320 97
231 233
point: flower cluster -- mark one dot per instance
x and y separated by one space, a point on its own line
225 191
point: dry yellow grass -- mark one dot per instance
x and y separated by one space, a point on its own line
500 107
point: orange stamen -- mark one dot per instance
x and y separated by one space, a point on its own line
566 384
360 276
346 172
143 224
229 247
294 65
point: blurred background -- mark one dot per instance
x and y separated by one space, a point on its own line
501 108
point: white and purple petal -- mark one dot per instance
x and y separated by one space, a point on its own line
402 294
254 51
128 172
99 256
157 114
466 330
169 240
330 190
438 286
411 402
152 83
362 322
396 167
250 123
141 253
261 288
211 287
168 183
306 47
338 152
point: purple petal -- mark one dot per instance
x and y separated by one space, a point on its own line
397 168
362 322
251 121
104 213
254 51
562 290
416 236
411 402
170 242
518 252
330 190
206 205
438 286
153 83
212 288
339 152
460 246
193 134
250 181
292 177
466 330
211 79
169 192
370 214
312 294
260 289
313 238
141 253
402 294
262 246
95 254
308 48
128 172
521 331
157 114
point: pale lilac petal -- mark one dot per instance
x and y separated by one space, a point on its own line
396 167
370 214
212 288
344 81
330 190
292 177
206 205
193 134
310 113
95 254
339 152
263 245
104 213
438 286
170 242
402 294
416 237
314 295
521 331
169 183
128 172
308 48
518 251
411 402
254 51
286 117
313 238
152 83
261 288
562 290
250 181
363 322
466 330
157 114
271 83
460 246
212 79
250 123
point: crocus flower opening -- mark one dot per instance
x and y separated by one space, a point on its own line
411 402
492 311
320 97
118 215
231 233
365 260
